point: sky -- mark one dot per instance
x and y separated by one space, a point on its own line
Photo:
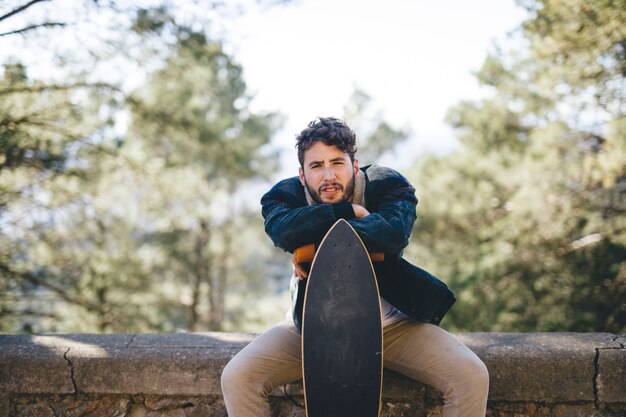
415 58
304 59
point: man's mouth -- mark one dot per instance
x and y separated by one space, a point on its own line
331 188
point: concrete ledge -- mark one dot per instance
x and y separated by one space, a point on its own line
532 374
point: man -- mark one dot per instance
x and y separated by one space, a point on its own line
379 204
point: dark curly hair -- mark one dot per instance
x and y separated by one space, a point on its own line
329 130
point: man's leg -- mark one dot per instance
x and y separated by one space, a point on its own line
429 354
270 360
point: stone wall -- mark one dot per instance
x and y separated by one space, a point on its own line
168 375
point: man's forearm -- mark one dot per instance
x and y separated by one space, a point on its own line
290 228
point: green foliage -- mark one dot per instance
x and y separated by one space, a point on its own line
48 135
376 136
150 231
151 20
193 124
526 220
582 44
39 122
151 228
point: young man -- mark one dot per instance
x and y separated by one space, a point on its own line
379 204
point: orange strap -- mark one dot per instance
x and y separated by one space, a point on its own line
306 253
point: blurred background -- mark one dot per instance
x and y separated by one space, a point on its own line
137 137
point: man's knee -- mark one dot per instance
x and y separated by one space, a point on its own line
234 376
476 374
229 375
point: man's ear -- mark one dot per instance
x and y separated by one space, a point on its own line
301 175
355 164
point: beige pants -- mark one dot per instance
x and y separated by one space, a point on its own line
420 351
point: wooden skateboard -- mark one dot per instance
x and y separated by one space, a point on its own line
342 343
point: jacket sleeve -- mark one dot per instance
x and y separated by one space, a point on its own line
391 202
291 223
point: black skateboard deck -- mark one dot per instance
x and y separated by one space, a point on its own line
342 343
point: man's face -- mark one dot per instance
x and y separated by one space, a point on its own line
328 173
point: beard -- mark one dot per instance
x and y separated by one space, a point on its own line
348 191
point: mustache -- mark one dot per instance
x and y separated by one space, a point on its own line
330 184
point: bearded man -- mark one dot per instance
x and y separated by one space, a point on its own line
379 203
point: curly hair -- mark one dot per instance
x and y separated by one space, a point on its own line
329 130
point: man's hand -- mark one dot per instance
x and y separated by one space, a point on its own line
360 211
298 270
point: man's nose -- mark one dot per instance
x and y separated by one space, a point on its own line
329 173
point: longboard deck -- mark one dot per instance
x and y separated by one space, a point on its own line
342 343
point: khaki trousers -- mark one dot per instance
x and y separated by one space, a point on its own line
421 351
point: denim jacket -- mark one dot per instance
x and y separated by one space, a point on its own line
291 222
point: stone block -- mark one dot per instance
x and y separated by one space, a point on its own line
65 341
167 371
611 380
95 406
532 375
287 407
34 410
35 369
521 364
574 410
4 403
191 340
177 407
397 387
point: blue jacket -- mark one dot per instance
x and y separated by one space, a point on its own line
290 222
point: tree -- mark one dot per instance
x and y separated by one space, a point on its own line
194 120
376 136
20 8
46 134
526 219
135 231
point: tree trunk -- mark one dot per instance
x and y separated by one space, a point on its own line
201 272
217 292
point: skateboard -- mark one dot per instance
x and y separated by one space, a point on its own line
342 343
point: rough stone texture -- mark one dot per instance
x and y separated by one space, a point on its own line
520 364
178 375
172 371
34 369
4 403
611 379
542 410
118 406
398 387
166 406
